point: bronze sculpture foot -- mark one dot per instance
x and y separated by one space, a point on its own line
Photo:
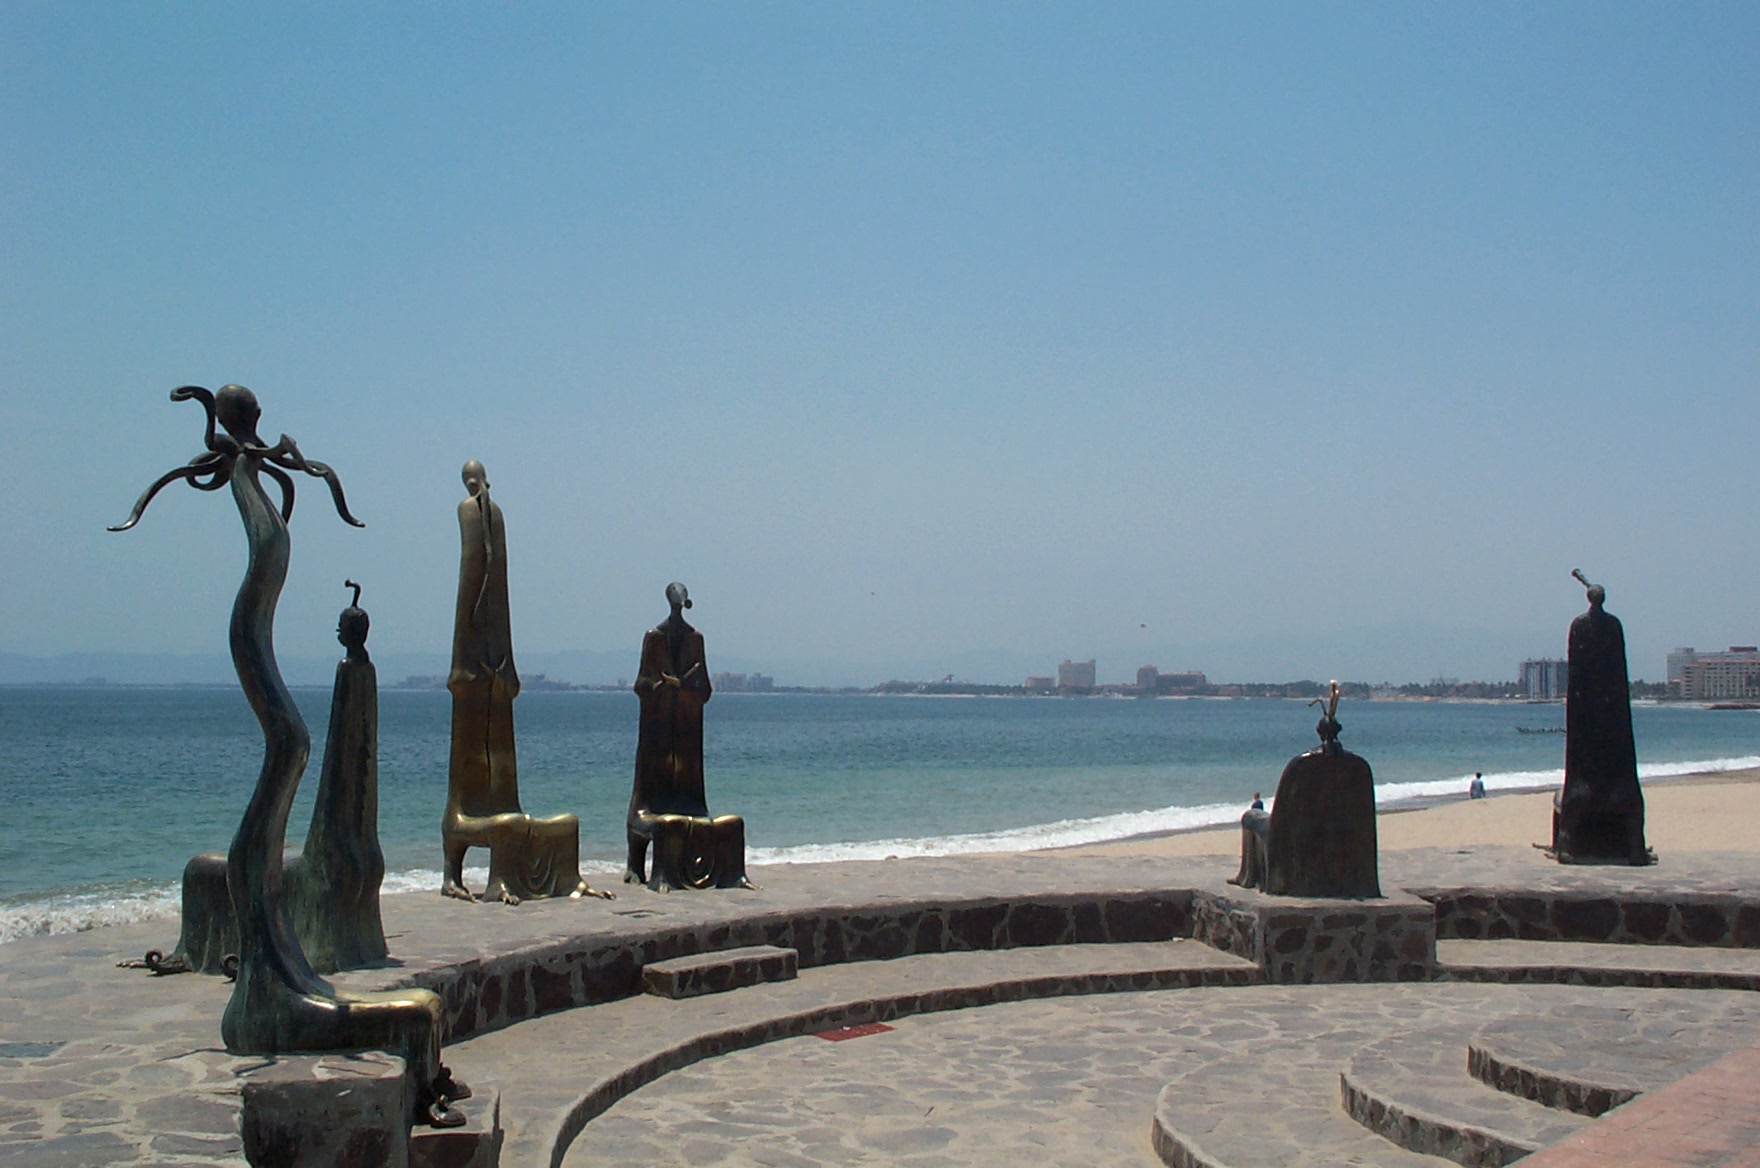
585 890
448 1088
440 1115
457 891
158 963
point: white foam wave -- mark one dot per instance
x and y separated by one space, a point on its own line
1455 787
77 912
1062 834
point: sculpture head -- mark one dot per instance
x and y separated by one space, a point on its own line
476 479
677 596
236 408
1597 594
352 625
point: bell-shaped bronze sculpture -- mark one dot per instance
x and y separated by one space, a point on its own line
1599 814
667 806
529 857
279 1004
1319 839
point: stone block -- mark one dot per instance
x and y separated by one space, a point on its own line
475 1145
713 973
1311 940
307 1111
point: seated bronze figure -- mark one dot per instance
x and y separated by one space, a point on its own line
529 858
1319 839
667 806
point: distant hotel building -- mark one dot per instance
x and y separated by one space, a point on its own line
743 683
1713 676
1545 677
1041 685
1075 675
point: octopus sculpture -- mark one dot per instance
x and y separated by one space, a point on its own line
278 1004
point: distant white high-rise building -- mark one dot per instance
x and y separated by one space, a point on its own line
1075 675
1545 678
1678 662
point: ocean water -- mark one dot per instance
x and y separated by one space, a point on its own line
106 792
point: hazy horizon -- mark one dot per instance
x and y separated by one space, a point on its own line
1271 341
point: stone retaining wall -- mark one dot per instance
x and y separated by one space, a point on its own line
487 994
1729 922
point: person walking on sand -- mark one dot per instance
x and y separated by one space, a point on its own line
1476 788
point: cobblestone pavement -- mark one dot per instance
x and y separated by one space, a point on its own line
100 1065
1073 1081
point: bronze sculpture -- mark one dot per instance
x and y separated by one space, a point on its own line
1599 815
529 858
667 805
1319 839
333 885
278 1003
333 888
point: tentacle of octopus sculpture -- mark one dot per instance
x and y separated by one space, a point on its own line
278 1004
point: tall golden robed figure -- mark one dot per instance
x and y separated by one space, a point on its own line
529 858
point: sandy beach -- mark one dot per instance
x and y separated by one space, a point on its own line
1693 813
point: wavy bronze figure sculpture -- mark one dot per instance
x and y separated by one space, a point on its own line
1319 840
1598 815
279 1004
667 805
529 858
333 885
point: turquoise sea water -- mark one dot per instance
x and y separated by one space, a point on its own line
106 792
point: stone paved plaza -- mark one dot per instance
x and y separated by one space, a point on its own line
1044 1011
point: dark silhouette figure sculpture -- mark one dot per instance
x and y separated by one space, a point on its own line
1319 839
667 806
333 889
529 858
279 1004
333 885
1600 812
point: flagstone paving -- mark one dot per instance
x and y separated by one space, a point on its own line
1253 1073
100 1065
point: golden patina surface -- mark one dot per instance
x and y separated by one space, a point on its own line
529 857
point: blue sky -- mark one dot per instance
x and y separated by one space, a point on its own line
1274 341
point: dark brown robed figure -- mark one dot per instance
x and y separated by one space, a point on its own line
528 858
667 805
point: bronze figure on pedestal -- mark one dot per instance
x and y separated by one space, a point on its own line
667 805
1319 840
1599 815
279 1004
529 858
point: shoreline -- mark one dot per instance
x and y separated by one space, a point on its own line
1690 812
1699 811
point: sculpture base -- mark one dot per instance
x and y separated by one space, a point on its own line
1598 835
690 851
1310 940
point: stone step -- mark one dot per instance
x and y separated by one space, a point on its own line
559 1071
1599 963
1414 1090
1250 1111
719 971
475 1145
1595 1058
